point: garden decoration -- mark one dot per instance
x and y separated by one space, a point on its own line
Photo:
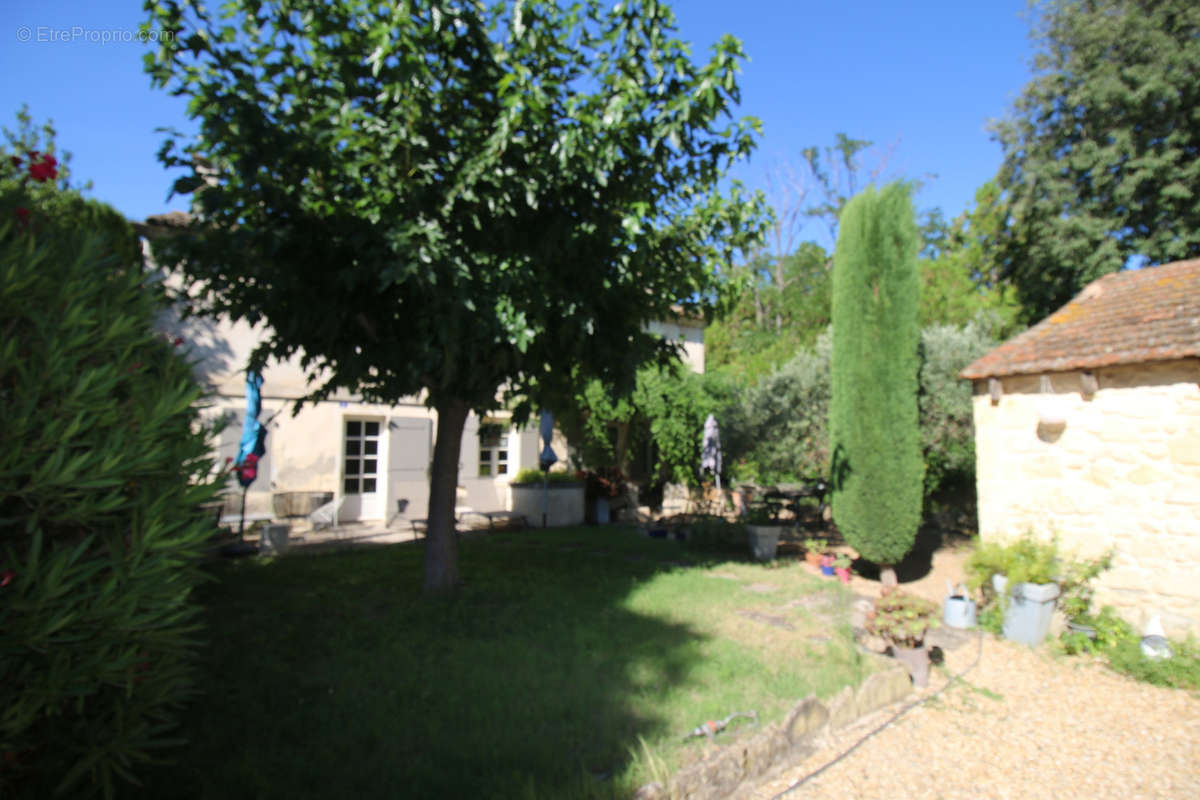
712 727
902 620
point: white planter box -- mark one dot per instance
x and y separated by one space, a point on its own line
561 502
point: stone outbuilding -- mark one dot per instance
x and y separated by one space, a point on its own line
1087 426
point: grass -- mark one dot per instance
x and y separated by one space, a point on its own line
571 664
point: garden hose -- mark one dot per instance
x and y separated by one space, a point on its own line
886 723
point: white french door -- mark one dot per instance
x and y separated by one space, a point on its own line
362 471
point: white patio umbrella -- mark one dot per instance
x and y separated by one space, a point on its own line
710 452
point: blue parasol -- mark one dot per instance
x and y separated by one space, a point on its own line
547 460
254 441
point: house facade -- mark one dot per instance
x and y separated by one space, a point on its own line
369 455
1087 426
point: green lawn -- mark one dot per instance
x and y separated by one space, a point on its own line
571 664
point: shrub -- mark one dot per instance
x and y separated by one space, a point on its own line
781 432
876 466
946 413
102 465
535 475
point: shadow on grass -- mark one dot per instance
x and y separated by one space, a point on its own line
331 675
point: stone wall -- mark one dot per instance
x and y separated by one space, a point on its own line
1123 472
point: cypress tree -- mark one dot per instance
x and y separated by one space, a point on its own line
877 466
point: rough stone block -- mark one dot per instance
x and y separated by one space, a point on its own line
810 716
1184 492
883 688
1146 475
843 708
725 772
1185 449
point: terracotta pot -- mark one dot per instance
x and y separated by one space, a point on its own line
916 661
813 558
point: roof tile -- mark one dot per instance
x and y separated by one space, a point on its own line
1130 317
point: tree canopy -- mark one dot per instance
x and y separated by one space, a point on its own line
1102 149
453 197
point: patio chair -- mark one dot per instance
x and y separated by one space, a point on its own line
323 517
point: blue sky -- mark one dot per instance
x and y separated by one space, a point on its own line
921 79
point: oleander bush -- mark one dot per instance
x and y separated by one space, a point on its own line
103 463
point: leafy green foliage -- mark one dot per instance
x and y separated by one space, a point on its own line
535 475
1180 671
1109 631
959 277
876 467
780 432
946 409
1101 150
476 195
103 463
1033 559
664 415
783 309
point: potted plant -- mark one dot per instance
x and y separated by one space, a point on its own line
902 620
763 533
827 564
813 550
1027 577
841 565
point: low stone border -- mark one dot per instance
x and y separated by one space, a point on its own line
797 737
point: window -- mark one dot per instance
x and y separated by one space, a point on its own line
493 450
361 457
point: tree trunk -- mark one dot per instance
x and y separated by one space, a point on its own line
887 576
441 544
622 448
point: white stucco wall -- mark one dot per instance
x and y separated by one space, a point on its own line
1124 472
690 335
305 451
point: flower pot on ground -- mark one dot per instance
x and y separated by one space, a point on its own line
841 565
813 550
764 541
827 564
1030 607
902 620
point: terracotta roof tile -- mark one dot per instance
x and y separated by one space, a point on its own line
1151 314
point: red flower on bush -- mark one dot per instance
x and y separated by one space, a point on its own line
22 216
7 577
43 170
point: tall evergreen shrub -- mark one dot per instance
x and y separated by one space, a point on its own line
103 463
877 469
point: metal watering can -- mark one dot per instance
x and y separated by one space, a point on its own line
959 608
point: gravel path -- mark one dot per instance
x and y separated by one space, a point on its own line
1022 724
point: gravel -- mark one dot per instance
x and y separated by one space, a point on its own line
1023 723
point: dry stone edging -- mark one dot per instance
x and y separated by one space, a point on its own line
797 737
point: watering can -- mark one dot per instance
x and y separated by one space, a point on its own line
959 609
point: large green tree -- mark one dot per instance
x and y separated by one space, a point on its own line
453 197
877 469
1102 150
